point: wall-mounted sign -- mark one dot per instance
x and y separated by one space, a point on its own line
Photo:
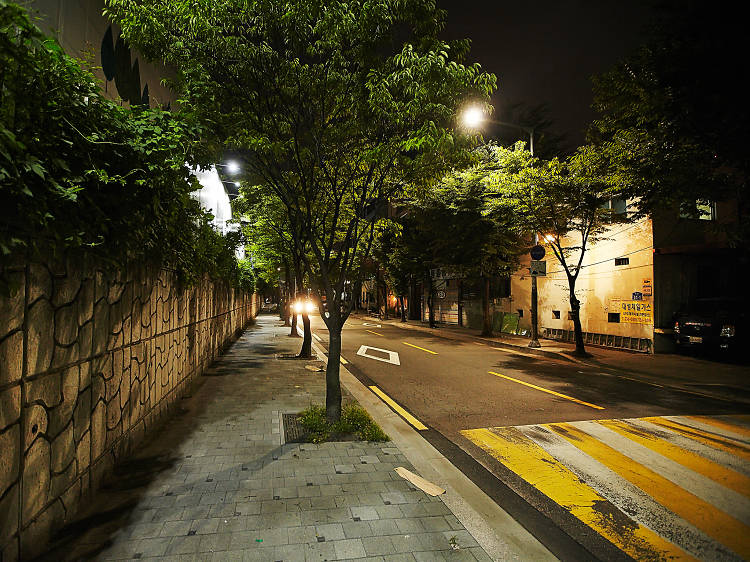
647 287
637 296
636 312
441 294
538 268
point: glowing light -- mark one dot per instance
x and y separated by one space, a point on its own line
233 167
309 307
297 307
550 237
473 117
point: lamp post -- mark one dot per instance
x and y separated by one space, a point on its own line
472 118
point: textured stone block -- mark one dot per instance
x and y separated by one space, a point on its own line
101 326
46 389
34 537
98 430
62 450
9 514
36 478
10 406
66 325
83 452
11 308
81 414
66 288
9 458
40 282
11 358
61 482
40 339
35 423
86 339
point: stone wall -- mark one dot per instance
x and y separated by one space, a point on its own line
89 362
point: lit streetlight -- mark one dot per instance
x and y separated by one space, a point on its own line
472 118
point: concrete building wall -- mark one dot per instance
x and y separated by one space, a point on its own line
81 29
89 363
603 288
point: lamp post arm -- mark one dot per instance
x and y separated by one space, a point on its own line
528 130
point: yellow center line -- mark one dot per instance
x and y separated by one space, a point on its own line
548 391
343 361
376 333
399 410
422 348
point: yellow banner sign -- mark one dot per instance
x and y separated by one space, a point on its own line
636 312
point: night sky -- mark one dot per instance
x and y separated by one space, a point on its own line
545 51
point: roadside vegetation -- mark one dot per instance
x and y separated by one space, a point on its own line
354 421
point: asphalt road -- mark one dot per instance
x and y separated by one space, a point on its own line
483 407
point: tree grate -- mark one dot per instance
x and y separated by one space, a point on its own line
293 430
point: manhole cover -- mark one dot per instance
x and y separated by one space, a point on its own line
293 430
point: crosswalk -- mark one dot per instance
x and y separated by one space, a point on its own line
658 488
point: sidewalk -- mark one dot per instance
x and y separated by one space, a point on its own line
218 482
713 378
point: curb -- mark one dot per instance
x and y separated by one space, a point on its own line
501 536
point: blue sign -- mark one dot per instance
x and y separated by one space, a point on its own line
637 296
537 252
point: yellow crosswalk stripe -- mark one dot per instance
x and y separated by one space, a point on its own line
527 459
703 515
710 439
722 424
716 472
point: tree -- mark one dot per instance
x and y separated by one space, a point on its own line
673 115
564 202
336 105
266 225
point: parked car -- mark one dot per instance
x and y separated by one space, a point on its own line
712 323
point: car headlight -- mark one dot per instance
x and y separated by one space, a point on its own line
309 307
727 331
297 307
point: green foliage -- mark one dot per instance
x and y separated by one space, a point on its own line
354 419
80 173
335 105
246 275
673 116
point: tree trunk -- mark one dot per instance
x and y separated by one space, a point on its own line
431 303
403 309
460 302
377 293
385 300
333 382
486 317
306 351
575 309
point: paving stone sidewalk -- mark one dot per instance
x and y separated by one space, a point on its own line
218 483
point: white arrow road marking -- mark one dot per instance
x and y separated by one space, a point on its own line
371 325
392 355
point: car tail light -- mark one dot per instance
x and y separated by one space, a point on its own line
727 331
676 327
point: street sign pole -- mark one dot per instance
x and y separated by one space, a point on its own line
537 253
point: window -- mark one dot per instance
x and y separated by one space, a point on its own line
622 261
556 314
701 209
618 205
613 317
520 312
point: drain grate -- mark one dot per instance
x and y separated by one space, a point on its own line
293 430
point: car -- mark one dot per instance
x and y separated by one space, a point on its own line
712 323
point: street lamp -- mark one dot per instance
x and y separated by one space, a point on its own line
472 118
